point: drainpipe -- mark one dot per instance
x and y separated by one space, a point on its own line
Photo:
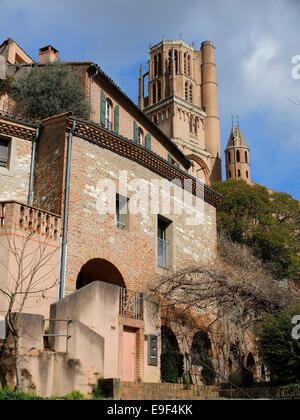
90 97
32 165
62 272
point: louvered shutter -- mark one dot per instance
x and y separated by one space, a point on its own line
135 132
116 119
148 141
103 109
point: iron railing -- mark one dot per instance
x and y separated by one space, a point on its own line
131 304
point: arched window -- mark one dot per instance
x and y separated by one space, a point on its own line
189 65
247 174
184 63
186 91
140 136
191 124
229 174
246 157
158 91
196 126
191 94
108 114
176 61
239 173
229 157
159 64
238 156
154 92
155 66
170 60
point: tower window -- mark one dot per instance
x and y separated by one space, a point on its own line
191 124
155 66
196 126
158 91
238 156
154 92
186 91
229 174
191 93
184 63
176 61
159 64
189 65
229 157
239 173
247 174
246 157
170 59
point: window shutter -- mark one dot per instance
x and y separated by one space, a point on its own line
170 159
135 132
148 141
103 109
3 152
177 165
116 118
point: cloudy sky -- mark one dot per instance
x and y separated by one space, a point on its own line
255 41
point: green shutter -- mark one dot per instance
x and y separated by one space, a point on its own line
116 119
148 141
170 160
177 165
103 109
135 132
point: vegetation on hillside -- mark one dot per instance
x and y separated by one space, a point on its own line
268 223
49 90
278 348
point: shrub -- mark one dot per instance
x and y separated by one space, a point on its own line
171 366
8 394
241 377
277 348
74 395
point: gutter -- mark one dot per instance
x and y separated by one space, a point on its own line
64 241
32 166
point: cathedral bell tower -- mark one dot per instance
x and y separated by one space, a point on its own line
237 156
182 101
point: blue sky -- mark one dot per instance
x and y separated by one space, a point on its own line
255 41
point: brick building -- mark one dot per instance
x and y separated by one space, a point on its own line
52 178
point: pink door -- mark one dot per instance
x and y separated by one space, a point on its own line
129 354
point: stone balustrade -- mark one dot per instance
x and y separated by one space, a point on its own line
14 214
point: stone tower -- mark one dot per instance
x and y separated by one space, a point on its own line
182 101
237 156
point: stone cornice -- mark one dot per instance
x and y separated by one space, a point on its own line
16 129
127 148
191 147
175 99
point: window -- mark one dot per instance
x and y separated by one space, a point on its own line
189 65
122 214
140 136
162 244
176 61
186 91
191 93
158 91
239 173
229 157
229 174
4 152
155 66
191 124
184 63
154 92
108 124
159 64
196 126
246 157
238 156
247 174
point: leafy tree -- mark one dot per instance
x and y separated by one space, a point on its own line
277 347
49 90
268 223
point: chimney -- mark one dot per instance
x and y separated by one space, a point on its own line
47 54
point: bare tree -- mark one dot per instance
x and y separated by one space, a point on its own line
29 273
231 294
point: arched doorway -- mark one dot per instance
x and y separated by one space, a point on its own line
101 270
201 348
169 341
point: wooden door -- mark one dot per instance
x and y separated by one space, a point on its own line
129 354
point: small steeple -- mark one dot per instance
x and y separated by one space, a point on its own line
237 154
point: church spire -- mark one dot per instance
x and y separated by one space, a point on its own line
237 155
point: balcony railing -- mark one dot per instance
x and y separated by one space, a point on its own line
131 304
162 253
